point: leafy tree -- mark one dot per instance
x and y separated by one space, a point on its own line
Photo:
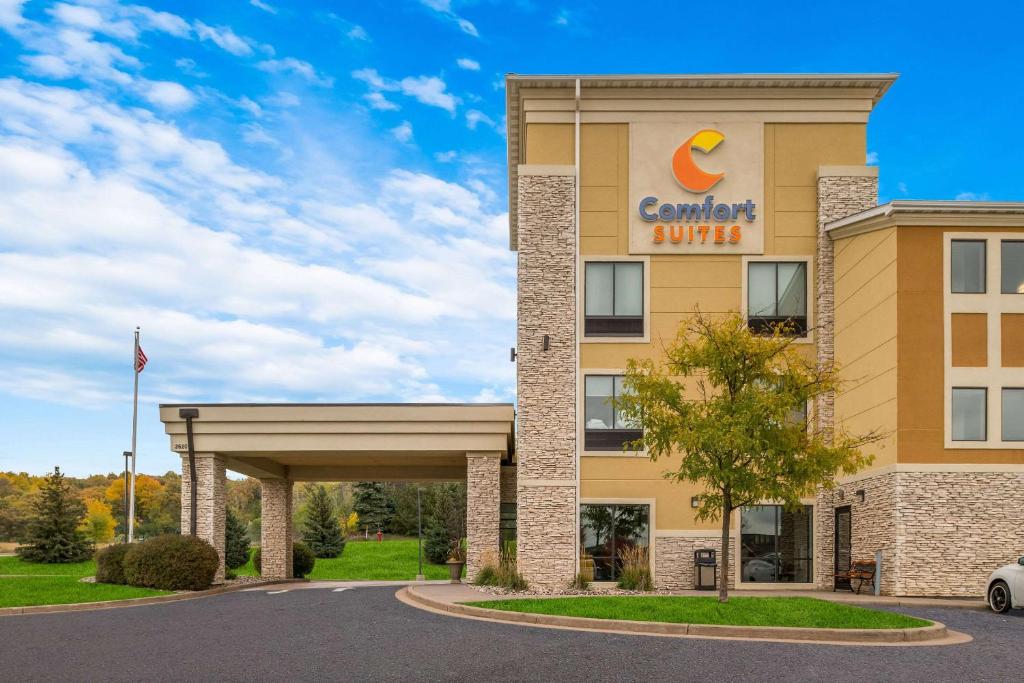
372 505
236 542
321 530
53 532
734 429
99 523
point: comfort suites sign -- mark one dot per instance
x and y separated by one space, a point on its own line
696 188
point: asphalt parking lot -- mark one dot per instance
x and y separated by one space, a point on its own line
364 634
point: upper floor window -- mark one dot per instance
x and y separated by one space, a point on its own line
967 263
1012 267
970 414
1013 414
777 293
604 429
614 299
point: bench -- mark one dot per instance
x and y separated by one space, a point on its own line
859 575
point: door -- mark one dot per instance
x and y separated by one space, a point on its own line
843 544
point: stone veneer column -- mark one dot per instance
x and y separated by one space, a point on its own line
210 501
276 529
546 378
483 509
842 191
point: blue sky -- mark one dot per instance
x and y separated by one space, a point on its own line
306 201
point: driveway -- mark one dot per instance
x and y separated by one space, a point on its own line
364 634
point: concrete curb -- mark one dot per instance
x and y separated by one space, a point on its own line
136 602
936 634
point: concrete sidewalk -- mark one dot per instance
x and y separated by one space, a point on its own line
443 591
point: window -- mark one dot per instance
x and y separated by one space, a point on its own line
1013 267
614 299
776 545
604 429
777 293
970 414
606 531
1013 414
967 263
508 513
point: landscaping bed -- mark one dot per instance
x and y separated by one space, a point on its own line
739 611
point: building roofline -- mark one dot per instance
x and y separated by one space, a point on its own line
335 405
879 82
929 212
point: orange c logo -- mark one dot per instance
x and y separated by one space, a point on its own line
689 175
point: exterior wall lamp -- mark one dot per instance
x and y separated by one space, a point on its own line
860 495
695 502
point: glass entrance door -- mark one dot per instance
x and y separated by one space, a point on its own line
843 544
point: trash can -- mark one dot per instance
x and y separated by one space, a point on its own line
705 564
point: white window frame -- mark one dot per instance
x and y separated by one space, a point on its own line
808 338
581 313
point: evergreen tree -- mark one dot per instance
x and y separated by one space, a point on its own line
53 533
372 505
320 530
236 542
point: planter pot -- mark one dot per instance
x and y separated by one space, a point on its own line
455 570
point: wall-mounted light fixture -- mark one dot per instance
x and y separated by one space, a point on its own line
840 495
695 502
512 354
860 495
547 342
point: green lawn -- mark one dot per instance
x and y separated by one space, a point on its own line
27 583
393 560
805 612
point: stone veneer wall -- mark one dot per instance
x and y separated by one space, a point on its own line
838 196
276 528
940 533
210 502
673 560
483 495
546 445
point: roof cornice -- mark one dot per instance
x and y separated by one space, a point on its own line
936 213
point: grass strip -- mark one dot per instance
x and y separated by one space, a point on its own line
739 611
369 561
24 591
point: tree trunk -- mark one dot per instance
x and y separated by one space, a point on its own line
723 586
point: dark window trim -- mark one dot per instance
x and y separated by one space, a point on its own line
614 536
616 325
984 265
765 324
610 439
1002 411
952 416
1001 264
779 509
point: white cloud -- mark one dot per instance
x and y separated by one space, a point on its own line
250 106
429 90
169 95
446 157
468 64
224 38
403 131
872 158
163 21
902 187
444 9
10 13
282 99
475 117
263 6
357 32
378 101
255 134
973 197
562 18
297 67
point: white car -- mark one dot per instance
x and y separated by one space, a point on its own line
1006 587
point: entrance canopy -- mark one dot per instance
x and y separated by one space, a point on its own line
345 441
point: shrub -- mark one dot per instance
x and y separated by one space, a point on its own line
110 563
436 542
171 562
580 582
488 573
236 542
636 569
501 571
303 559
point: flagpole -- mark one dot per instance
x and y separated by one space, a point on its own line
135 429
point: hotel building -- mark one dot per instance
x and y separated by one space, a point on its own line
637 200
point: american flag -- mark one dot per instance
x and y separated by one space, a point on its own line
140 360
